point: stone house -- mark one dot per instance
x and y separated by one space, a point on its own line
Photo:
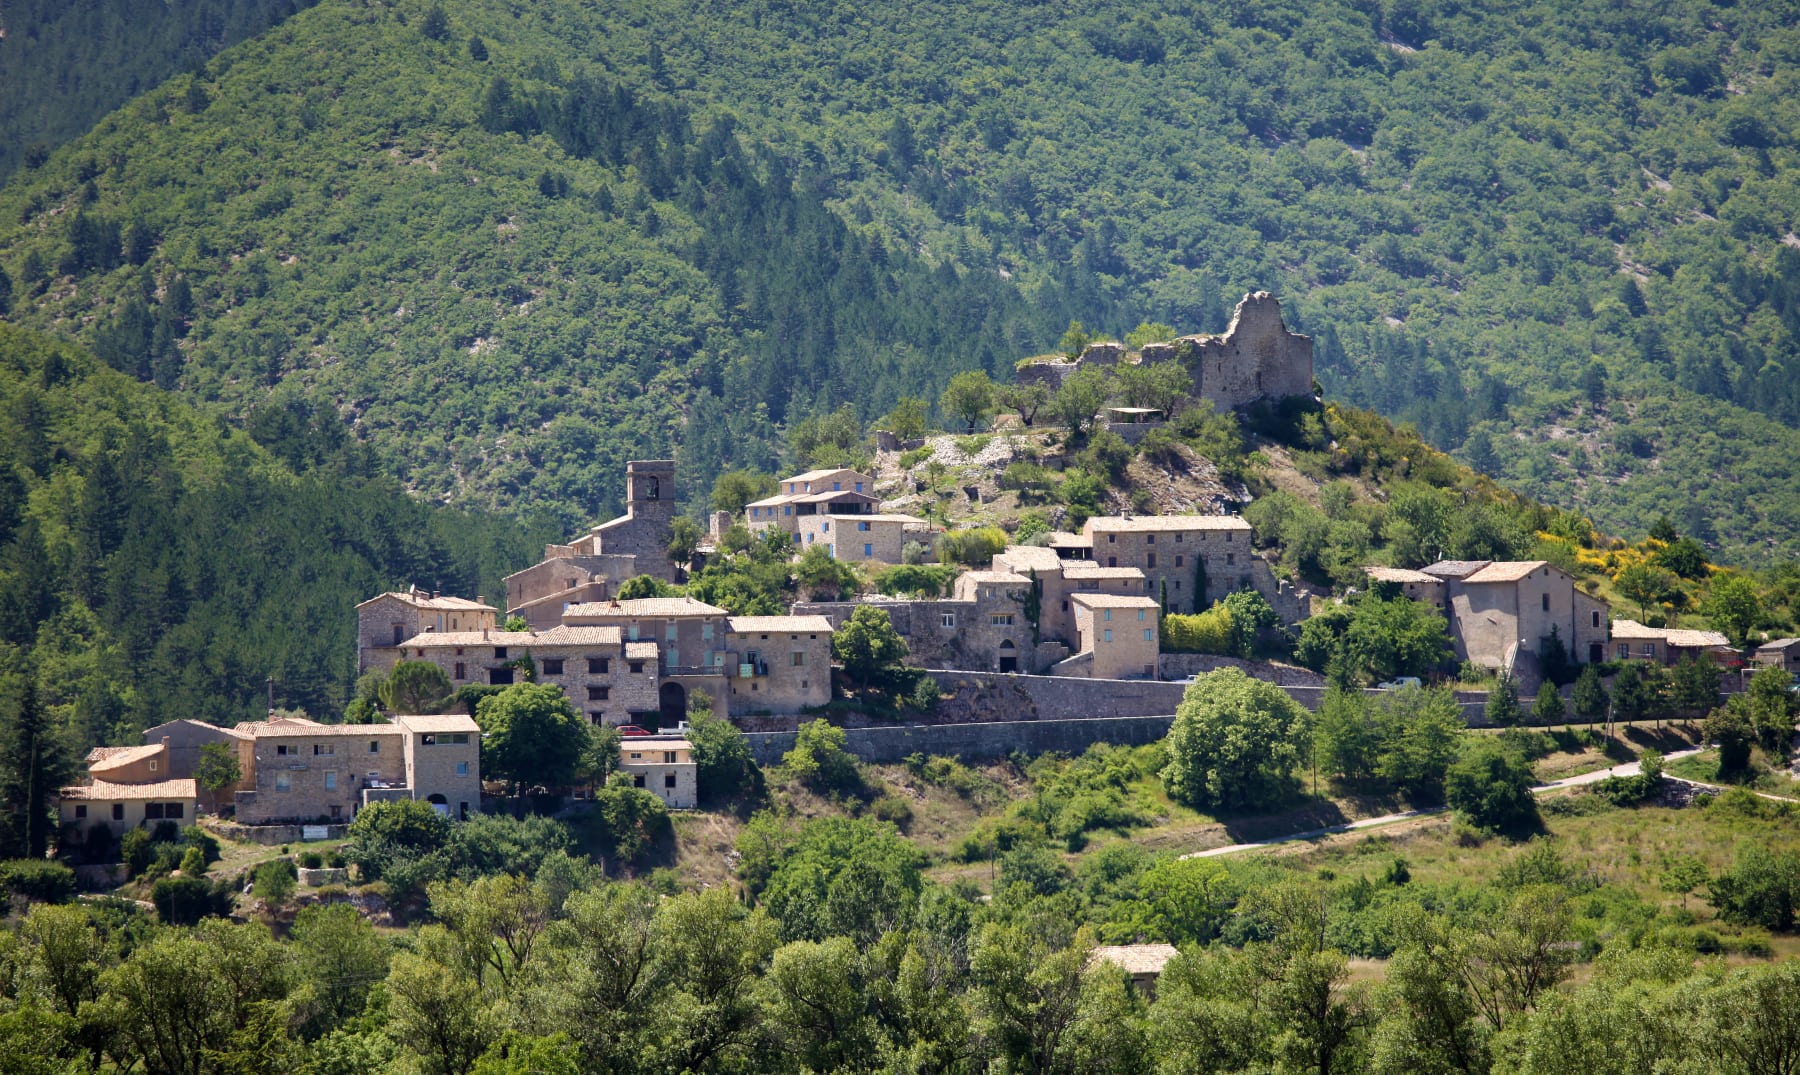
609 679
777 664
1782 653
683 638
121 807
1414 584
663 766
861 539
1500 611
1117 637
1143 964
303 771
1633 641
1256 359
385 621
1191 560
147 764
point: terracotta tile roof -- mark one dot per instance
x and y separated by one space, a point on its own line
99 754
1135 958
1676 637
1159 523
564 635
1081 569
1022 558
743 625
292 729
1398 574
119 757
645 607
909 520
1632 630
995 577
1455 569
439 639
442 604
105 791
773 501
1062 539
1505 571
438 722
1779 643
641 651
156 732
1108 600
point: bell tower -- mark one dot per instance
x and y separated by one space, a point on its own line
650 489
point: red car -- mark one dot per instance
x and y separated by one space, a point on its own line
629 730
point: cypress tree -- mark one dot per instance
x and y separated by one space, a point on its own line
33 765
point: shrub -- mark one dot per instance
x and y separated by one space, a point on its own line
1489 787
136 852
820 761
275 881
195 836
183 901
311 860
37 879
892 809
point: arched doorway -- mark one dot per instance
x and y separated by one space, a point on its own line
672 703
439 803
1009 656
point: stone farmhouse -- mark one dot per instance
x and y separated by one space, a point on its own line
664 766
127 788
588 567
1782 653
1499 612
1256 359
836 509
1632 640
387 620
301 771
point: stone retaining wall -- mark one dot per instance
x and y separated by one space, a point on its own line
974 742
270 835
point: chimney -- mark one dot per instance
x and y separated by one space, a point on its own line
165 742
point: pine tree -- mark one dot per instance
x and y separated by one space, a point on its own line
1590 696
1503 702
33 765
1547 709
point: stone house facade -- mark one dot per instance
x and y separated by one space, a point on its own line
861 539
1256 359
1634 641
1193 559
662 766
385 621
304 771
122 807
1783 653
806 498
1118 635
777 664
605 678
1500 611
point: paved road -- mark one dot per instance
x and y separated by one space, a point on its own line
1627 769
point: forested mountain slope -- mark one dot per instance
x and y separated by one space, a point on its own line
64 65
156 563
517 244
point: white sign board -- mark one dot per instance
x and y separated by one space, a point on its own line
315 832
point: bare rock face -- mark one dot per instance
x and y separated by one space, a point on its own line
1106 353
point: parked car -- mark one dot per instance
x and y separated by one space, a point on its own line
629 730
1398 682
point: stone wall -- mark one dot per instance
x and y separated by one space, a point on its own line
973 742
1176 666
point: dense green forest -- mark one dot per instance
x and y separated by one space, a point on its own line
63 66
158 563
515 245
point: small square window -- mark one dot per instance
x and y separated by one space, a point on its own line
949 619
668 757
598 666
637 780
118 811
80 811
173 810
462 768
153 765
499 653
636 667
599 694
553 666
668 780
153 811
281 782
374 746
1149 539
1149 635
798 659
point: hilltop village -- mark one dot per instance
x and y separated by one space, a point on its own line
1050 614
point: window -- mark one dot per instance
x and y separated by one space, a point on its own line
1149 539
428 740
281 782
1150 560
153 765
324 748
949 619
283 750
462 671
859 487
374 746
462 768
1227 537
798 659
1000 619
1649 649
669 630
668 780
1624 650
668 757
1596 618
1545 599
499 653
636 667
674 657
118 811
81 811
862 527
1140 615
598 666
1179 560
637 780
1106 614
330 780
553 666
459 737
706 632
837 487
1149 635
1110 538
1109 634
599 694
172 810
1231 557
1177 539
153 811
